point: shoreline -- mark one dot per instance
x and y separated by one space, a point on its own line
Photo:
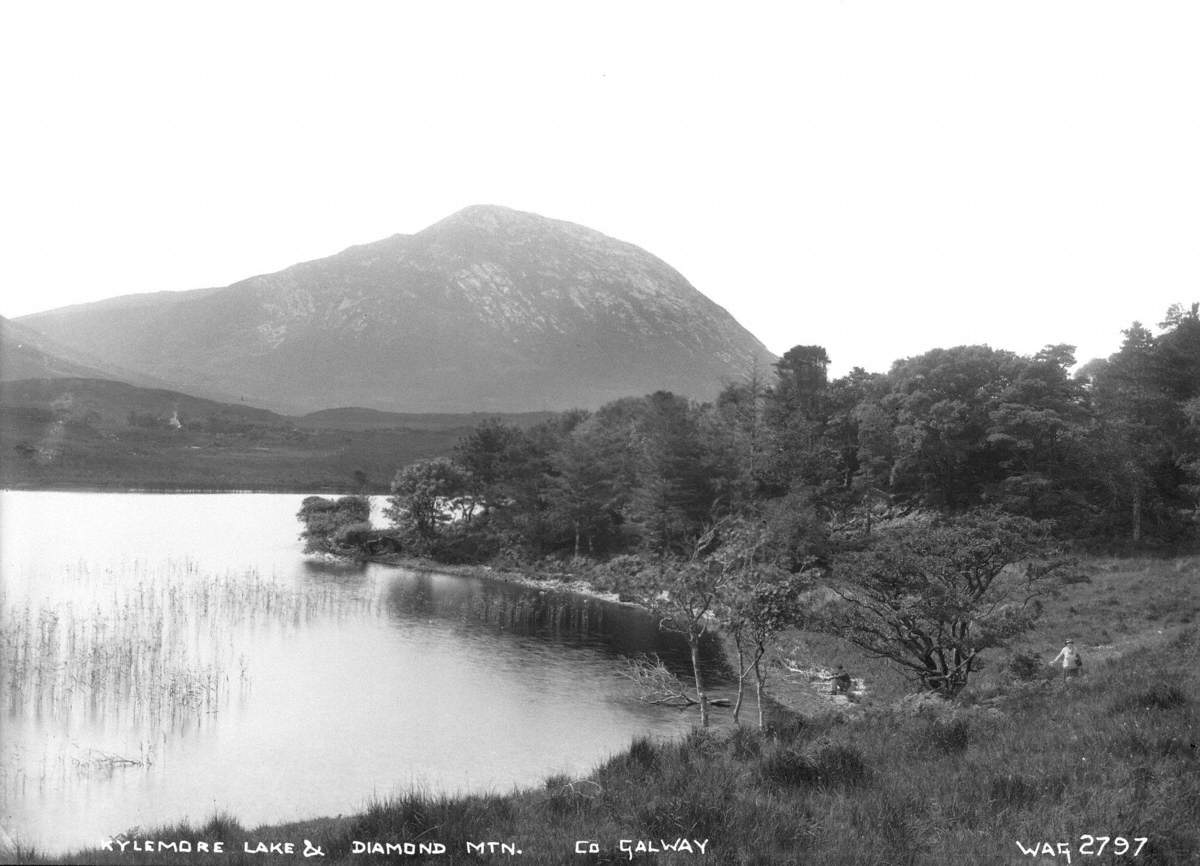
1013 723
547 581
176 489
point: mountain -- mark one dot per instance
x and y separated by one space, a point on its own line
490 309
28 354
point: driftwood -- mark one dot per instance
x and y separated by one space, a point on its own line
654 684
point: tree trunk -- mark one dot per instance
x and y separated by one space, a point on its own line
694 642
758 692
737 705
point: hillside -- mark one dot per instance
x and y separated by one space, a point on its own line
28 354
488 310
95 433
355 418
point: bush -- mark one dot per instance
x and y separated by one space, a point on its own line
745 743
643 753
1025 666
324 519
786 729
353 535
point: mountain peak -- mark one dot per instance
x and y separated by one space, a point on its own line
490 309
499 220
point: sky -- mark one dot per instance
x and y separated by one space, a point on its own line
877 178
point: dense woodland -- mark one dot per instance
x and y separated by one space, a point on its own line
931 482
1112 452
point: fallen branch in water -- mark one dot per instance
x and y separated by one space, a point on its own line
654 684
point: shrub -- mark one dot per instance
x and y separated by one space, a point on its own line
745 743
324 519
1025 666
643 752
786 729
353 535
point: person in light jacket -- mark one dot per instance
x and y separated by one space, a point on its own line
1072 661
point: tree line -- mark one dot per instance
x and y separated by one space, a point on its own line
1112 452
921 499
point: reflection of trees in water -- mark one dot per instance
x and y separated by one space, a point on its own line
562 617
333 570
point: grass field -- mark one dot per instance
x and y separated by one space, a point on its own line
1023 759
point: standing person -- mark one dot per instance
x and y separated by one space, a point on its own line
1072 661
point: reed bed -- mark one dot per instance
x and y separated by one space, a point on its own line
148 649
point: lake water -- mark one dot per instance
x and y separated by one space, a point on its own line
169 656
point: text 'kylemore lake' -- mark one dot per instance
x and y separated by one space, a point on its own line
166 657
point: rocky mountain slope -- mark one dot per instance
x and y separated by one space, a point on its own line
488 310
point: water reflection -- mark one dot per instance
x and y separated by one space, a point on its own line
159 665
554 617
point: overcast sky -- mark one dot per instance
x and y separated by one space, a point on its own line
878 178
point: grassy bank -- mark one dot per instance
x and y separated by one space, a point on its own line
1025 759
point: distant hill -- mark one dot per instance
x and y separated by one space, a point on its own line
113 402
84 432
354 418
28 354
489 310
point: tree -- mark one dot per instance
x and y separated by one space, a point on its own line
796 414
801 378
737 431
1189 460
941 402
586 492
327 521
491 458
418 505
684 594
1034 432
1132 439
675 491
759 599
933 596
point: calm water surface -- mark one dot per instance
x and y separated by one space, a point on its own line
168 656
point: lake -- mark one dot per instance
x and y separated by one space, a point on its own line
168 656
